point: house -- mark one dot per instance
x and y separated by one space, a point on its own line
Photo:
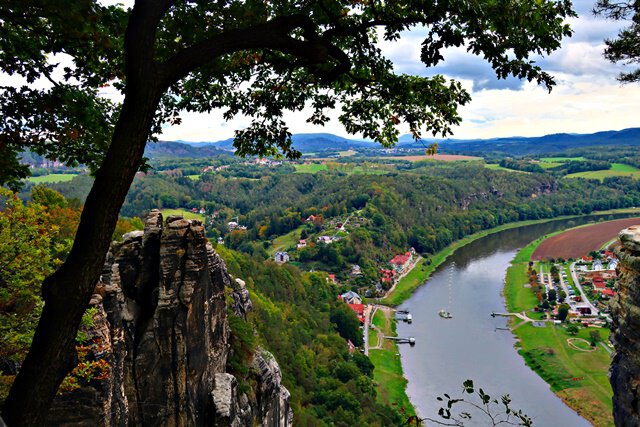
598 282
301 244
281 257
597 265
387 275
202 211
220 241
583 309
232 225
356 270
325 239
613 264
332 278
351 297
608 292
311 218
401 262
359 309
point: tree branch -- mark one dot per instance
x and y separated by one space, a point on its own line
273 35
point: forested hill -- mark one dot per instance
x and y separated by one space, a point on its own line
318 142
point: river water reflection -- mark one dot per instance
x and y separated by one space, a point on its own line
469 346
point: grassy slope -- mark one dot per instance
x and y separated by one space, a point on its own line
388 368
579 378
52 178
285 241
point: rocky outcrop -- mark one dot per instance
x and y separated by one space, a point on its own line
625 310
467 200
160 323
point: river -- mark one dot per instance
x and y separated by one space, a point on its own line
468 346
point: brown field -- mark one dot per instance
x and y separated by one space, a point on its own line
580 241
442 157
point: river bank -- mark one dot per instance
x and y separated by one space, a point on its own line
386 360
578 376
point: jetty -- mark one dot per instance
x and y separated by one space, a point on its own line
402 340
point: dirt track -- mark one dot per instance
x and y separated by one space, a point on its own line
581 241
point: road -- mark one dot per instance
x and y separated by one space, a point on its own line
576 282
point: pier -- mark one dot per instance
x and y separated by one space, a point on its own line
401 340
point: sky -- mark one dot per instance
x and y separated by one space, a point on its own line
586 99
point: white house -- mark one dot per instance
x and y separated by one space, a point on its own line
281 257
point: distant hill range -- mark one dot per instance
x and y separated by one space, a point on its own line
322 142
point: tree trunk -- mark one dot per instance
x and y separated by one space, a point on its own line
67 292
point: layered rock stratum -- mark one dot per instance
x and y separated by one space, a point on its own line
625 336
161 324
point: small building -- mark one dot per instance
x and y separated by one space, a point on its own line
232 225
598 283
613 264
311 218
359 309
387 275
356 270
302 243
220 241
401 262
332 278
609 293
281 257
583 309
597 265
325 239
351 297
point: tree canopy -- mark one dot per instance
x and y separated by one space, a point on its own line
254 58
626 47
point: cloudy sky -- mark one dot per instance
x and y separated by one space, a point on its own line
587 97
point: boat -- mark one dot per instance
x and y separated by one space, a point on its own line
445 314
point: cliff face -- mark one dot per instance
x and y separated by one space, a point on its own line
161 326
625 310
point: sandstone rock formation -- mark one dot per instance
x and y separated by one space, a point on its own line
161 325
625 310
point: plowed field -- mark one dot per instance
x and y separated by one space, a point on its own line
581 241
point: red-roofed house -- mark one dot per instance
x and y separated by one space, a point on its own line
387 275
609 292
332 278
302 244
401 262
598 283
359 309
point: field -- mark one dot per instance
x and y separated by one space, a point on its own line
348 168
441 157
580 241
617 169
194 177
497 167
186 214
52 178
310 168
549 165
